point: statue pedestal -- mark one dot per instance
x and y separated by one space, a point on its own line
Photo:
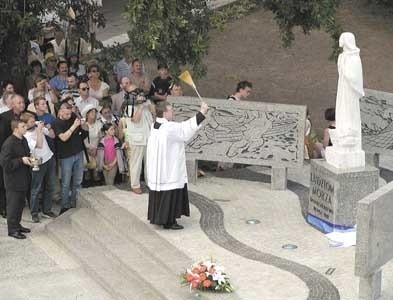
344 159
334 194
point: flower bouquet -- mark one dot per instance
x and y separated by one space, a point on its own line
206 275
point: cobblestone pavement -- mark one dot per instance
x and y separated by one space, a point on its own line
212 223
220 216
221 203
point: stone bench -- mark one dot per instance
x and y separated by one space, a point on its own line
245 132
374 240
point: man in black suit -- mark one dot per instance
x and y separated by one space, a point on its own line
16 163
18 106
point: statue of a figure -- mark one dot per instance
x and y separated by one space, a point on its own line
346 151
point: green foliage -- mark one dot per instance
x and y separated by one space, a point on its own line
231 12
20 22
309 15
175 32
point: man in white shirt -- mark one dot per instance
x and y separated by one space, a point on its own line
135 128
166 165
44 178
85 98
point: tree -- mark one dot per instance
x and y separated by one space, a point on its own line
309 15
178 32
18 23
21 21
174 32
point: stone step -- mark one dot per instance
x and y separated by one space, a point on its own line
131 255
142 236
118 280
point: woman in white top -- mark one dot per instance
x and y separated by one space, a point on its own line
89 113
98 88
42 88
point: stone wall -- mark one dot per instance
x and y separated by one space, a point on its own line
374 240
254 133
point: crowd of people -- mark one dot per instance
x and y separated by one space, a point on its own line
74 129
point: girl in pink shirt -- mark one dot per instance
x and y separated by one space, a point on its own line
110 158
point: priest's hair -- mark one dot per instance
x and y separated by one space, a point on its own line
162 107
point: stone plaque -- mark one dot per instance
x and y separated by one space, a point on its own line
377 122
334 194
246 132
321 195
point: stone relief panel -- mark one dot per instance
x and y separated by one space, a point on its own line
376 110
245 132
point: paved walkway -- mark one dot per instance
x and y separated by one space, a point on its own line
37 268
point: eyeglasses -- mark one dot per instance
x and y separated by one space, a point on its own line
85 89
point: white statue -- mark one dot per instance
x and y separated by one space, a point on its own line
346 151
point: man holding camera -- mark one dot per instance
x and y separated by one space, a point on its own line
42 179
135 129
70 132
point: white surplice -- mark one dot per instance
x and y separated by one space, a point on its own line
166 157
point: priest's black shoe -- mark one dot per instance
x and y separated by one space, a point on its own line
17 235
4 214
173 226
24 230
176 226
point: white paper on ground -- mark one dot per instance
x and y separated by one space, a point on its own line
342 239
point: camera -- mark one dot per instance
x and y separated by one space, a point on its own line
131 99
136 96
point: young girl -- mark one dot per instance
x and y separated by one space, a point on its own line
110 156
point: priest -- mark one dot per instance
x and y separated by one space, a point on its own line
166 165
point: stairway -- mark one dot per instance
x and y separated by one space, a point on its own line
121 253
